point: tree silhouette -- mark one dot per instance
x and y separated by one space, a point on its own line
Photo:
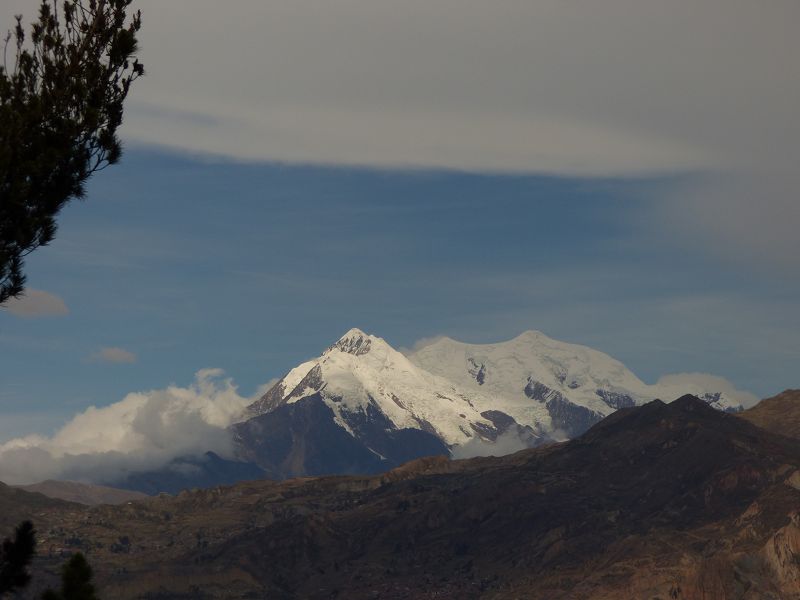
15 556
60 106
76 581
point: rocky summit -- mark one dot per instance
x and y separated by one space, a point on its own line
662 501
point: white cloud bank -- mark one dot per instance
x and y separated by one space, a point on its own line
36 304
142 431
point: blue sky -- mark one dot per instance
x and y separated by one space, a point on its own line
189 263
623 176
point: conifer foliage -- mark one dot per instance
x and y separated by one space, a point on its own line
15 555
76 581
62 91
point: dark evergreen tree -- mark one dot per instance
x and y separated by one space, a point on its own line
60 106
76 581
15 556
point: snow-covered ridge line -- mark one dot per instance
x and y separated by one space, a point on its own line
533 386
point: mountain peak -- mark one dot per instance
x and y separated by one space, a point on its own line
462 392
689 403
353 333
531 333
355 342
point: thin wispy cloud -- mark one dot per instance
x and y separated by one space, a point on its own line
35 304
749 218
420 344
113 355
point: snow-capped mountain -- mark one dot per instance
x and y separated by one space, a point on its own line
363 390
576 384
362 373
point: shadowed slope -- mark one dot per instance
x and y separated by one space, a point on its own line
669 501
303 438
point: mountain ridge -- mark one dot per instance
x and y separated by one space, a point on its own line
362 407
83 493
667 500
531 388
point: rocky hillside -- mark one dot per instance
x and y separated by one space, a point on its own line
779 414
669 501
83 493
17 505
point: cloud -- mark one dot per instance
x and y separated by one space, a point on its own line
621 88
421 343
113 355
36 303
142 431
618 88
678 384
615 87
748 217
506 443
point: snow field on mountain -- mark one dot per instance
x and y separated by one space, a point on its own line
445 386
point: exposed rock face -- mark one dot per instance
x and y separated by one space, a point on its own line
536 390
477 370
355 343
567 419
782 556
619 400
570 418
302 439
668 501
